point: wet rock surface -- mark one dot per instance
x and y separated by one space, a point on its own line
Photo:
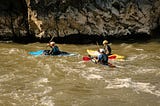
27 20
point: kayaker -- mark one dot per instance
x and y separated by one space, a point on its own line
107 48
102 57
54 49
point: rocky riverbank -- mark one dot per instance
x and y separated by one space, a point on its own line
74 20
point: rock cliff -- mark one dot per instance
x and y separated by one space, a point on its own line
61 18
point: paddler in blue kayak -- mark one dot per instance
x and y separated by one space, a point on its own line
54 49
102 57
107 48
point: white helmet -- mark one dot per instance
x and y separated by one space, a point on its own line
52 43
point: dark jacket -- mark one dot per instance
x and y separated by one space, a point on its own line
55 51
103 59
108 48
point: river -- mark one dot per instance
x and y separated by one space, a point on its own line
27 80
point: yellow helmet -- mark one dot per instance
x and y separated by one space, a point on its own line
105 42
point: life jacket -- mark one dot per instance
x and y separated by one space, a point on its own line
107 47
55 50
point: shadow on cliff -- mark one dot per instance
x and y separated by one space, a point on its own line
94 39
75 39
89 39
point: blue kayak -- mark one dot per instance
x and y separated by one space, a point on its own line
41 52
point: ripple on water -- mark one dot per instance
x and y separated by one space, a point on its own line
94 76
137 57
136 86
40 89
35 80
7 77
47 101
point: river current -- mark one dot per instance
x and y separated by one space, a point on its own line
27 80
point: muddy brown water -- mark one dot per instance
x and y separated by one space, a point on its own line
27 80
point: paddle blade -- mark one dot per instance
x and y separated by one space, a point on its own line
111 65
86 58
36 53
112 57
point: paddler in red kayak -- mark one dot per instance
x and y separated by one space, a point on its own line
102 57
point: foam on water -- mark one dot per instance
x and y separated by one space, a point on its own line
94 76
136 86
158 57
7 77
138 49
93 69
42 80
146 70
6 51
47 101
45 67
36 91
137 57
43 91
13 51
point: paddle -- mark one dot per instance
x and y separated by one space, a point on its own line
86 58
112 57
36 53
98 45
111 65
